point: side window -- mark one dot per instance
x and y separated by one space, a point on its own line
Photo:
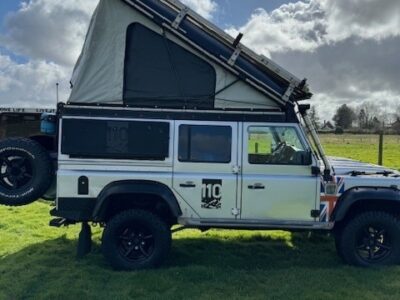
107 139
205 144
275 145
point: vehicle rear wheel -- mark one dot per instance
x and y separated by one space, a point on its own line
135 240
371 239
26 171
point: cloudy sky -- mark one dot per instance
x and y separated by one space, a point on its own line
348 49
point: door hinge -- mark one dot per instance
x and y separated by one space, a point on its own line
235 211
236 169
315 213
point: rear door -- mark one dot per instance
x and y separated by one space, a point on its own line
206 167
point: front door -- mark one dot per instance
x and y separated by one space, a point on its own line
206 167
276 182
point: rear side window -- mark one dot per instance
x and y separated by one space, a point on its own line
115 139
159 72
205 144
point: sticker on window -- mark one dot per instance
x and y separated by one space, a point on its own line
260 143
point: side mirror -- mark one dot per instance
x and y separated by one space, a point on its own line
307 158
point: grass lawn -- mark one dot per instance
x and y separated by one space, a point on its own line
38 262
364 148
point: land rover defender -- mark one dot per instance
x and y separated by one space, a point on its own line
173 122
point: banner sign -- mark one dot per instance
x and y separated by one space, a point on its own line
26 110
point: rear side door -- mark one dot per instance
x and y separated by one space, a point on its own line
206 167
277 182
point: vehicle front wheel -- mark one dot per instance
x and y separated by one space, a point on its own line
136 240
370 239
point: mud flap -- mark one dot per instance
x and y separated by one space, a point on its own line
84 241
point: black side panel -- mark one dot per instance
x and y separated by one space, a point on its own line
115 139
160 73
75 209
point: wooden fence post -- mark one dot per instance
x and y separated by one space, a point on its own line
380 157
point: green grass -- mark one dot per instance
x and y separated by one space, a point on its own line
37 261
364 148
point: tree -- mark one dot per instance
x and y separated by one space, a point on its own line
344 117
376 124
397 113
396 126
362 119
314 117
369 111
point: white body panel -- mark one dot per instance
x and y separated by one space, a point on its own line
291 191
201 173
287 192
102 172
285 195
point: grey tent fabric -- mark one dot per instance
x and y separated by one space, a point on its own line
100 74
160 73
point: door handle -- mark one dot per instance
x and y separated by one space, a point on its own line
256 186
188 184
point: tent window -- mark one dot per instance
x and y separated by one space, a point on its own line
158 72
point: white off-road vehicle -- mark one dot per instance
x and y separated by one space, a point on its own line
170 121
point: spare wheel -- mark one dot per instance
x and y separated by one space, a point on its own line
26 171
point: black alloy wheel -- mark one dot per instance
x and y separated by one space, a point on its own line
373 244
370 239
136 243
15 171
136 239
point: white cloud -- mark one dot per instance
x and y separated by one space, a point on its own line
5 81
307 25
32 83
367 19
51 30
50 34
205 8
348 49
297 26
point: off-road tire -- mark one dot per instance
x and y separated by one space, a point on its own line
115 244
34 164
370 239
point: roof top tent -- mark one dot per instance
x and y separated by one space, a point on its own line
159 53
